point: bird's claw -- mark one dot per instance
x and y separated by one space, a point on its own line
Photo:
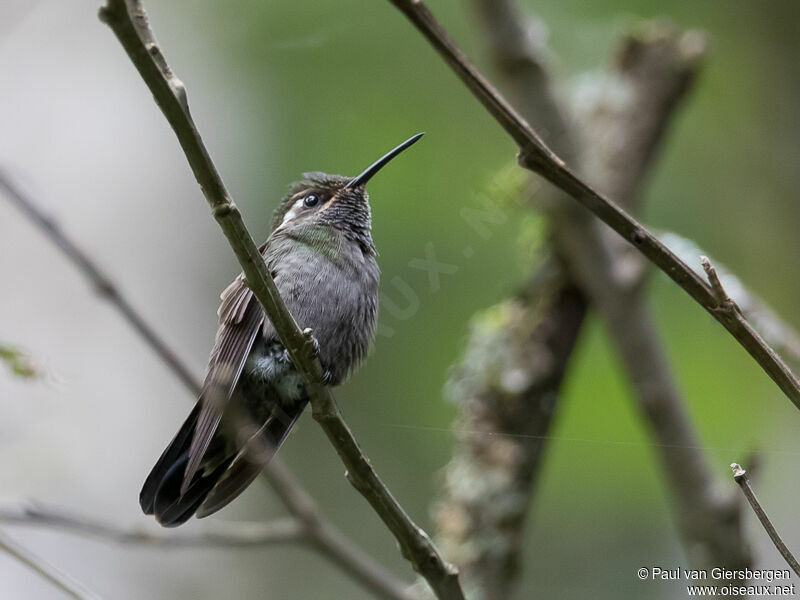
313 348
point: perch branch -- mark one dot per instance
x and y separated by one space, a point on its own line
740 476
537 157
128 21
60 580
319 533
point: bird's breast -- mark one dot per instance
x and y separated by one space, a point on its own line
335 293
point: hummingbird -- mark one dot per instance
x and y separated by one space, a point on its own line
323 260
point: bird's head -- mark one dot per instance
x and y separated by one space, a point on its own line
335 201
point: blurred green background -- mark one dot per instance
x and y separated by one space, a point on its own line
278 88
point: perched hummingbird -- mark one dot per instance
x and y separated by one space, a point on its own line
322 258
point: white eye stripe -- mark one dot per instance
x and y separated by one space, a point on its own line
293 212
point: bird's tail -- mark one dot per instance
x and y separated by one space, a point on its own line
218 481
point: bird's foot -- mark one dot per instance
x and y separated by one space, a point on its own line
310 348
313 350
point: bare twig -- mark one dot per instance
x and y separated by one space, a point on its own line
129 23
537 157
66 584
716 285
232 535
319 533
740 476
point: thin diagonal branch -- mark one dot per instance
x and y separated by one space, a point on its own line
129 23
97 278
66 584
510 375
654 67
537 157
740 476
320 534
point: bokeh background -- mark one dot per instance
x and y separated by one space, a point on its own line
278 88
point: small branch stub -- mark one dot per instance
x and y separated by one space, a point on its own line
723 300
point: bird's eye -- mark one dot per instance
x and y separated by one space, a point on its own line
310 200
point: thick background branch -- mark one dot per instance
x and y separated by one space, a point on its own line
505 388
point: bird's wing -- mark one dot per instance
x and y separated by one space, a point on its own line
240 319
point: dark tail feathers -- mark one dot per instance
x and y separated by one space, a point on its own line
161 493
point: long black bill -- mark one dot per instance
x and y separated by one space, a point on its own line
367 174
